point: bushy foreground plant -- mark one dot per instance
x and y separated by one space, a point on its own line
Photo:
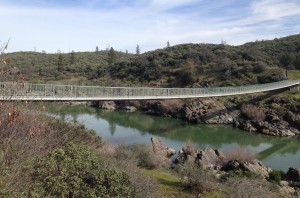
275 175
140 153
249 187
75 171
197 179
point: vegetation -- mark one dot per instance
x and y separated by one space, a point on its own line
44 157
140 153
74 171
254 113
190 65
240 154
276 176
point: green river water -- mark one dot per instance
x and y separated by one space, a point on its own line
135 127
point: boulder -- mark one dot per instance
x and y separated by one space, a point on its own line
107 105
206 158
254 166
293 174
130 108
286 190
161 150
231 165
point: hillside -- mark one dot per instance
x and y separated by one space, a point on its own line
185 65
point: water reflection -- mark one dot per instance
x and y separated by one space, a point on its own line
132 127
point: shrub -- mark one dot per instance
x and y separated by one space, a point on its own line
189 147
245 187
185 77
253 113
75 171
271 75
196 179
239 154
259 67
275 175
140 153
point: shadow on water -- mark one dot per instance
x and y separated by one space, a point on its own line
135 126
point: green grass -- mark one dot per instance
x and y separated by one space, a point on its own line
170 185
294 74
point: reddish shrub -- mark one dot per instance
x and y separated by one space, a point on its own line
253 113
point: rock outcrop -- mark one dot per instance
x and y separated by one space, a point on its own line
207 111
293 176
162 151
214 159
210 111
254 166
107 105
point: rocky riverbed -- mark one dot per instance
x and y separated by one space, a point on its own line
278 118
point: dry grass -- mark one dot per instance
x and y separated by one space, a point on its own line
254 113
245 187
240 154
189 148
171 105
27 133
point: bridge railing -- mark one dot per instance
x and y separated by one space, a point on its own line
13 90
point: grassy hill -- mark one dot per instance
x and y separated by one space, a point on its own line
185 65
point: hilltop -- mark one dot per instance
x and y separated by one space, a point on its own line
184 65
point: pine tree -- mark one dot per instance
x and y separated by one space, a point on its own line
72 58
138 51
112 56
61 62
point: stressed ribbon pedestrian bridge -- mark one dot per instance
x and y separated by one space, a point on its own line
53 92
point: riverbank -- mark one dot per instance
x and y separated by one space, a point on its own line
121 126
274 116
73 159
222 168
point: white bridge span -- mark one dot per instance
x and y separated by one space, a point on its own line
53 92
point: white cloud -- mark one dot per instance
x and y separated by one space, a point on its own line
275 9
147 23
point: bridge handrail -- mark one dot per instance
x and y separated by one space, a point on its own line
56 91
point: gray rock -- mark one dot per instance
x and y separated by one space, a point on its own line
108 105
161 150
293 174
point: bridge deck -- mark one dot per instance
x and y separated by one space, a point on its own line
51 92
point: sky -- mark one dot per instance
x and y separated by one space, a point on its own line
81 25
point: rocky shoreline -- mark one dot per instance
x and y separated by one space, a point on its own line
222 164
266 120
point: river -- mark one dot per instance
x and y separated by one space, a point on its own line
135 127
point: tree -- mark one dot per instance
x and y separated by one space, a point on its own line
61 62
97 49
72 58
286 60
112 56
297 61
168 44
138 51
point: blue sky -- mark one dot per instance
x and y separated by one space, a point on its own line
81 25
